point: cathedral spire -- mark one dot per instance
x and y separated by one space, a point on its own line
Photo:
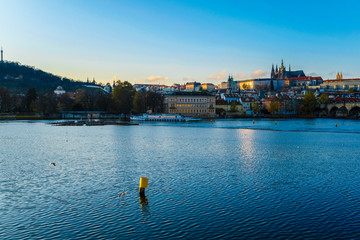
337 75
289 68
2 58
282 64
341 75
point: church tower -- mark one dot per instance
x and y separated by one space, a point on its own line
281 71
272 72
282 64
2 57
229 84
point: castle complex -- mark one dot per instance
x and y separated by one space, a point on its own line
282 74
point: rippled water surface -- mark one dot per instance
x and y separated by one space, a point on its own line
229 179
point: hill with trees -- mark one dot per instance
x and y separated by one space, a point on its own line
17 77
26 89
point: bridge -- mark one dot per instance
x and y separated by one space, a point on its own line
344 109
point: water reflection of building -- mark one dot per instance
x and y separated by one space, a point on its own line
247 149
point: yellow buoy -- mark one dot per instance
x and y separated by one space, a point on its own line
142 185
253 121
335 124
143 182
275 122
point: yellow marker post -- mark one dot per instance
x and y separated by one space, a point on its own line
335 124
275 122
253 121
142 185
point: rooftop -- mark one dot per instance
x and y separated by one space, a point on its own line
191 94
341 80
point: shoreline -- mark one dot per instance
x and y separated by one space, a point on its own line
13 117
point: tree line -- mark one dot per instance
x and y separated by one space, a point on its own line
124 99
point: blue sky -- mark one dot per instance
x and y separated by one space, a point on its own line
178 41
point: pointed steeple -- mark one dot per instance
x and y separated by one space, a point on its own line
337 75
289 68
341 75
282 64
2 57
276 69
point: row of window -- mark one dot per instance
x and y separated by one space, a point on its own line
346 86
190 105
193 100
192 111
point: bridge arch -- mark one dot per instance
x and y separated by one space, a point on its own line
332 112
342 112
354 112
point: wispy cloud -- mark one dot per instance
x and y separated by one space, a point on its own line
258 74
157 79
217 76
313 74
189 79
239 76
333 74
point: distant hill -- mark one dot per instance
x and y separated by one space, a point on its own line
15 76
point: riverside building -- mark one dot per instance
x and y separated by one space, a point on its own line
191 104
340 84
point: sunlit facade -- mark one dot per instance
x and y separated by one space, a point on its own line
341 84
190 104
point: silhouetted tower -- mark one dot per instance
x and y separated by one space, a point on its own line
229 84
272 72
2 57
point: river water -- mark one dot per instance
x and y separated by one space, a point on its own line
226 179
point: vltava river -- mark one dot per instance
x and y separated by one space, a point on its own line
229 179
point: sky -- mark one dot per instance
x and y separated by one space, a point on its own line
166 42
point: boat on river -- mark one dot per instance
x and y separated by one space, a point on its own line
164 117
